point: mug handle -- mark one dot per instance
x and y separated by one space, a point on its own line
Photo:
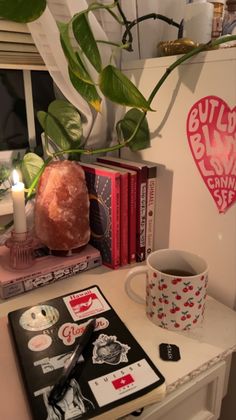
132 273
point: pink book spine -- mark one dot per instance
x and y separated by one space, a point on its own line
132 216
124 219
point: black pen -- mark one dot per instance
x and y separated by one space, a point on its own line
60 388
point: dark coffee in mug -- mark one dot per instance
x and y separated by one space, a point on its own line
178 272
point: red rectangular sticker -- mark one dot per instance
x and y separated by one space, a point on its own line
123 381
86 303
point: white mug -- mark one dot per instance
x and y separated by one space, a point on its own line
176 287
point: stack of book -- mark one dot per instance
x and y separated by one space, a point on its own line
122 208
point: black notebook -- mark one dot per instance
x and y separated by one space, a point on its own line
112 372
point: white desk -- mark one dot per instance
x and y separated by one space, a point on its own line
195 385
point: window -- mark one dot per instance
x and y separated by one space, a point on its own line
13 121
22 94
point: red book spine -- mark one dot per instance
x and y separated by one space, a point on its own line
124 212
124 218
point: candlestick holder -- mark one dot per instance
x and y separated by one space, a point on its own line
21 246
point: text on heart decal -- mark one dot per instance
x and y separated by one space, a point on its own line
211 130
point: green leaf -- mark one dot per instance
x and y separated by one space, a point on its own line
119 89
30 166
84 36
4 173
62 123
87 91
69 117
73 58
22 10
128 124
42 116
55 132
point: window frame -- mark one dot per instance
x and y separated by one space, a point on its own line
6 156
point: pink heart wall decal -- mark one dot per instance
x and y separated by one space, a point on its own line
211 131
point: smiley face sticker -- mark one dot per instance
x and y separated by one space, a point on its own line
39 318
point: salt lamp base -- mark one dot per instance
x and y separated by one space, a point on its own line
66 253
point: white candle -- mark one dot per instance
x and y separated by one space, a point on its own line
18 198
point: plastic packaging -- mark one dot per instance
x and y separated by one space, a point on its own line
198 17
217 22
229 22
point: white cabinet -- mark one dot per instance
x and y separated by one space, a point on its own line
199 399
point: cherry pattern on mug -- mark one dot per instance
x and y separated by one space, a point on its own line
176 303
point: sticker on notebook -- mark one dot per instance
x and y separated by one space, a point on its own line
69 331
107 349
40 342
86 303
73 405
122 382
39 318
48 364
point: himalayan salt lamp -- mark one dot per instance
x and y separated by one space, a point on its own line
62 207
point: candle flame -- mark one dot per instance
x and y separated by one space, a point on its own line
15 176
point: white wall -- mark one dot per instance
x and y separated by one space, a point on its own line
150 32
187 216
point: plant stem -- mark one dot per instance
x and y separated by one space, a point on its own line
130 25
113 44
186 57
